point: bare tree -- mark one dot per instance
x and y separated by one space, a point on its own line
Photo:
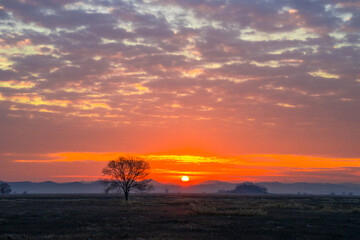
5 188
125 174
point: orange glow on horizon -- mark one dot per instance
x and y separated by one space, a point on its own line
77 166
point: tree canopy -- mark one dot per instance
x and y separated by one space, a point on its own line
5 188
125 174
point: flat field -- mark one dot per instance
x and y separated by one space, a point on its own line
179 216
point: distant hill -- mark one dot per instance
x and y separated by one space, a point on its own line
207 187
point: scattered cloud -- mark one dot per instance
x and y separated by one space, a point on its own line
169 75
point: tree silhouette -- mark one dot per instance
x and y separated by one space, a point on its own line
125 174
5 188
248 188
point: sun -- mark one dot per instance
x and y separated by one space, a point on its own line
185 178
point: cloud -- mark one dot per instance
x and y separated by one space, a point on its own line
225 77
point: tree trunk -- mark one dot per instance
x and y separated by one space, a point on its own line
126 193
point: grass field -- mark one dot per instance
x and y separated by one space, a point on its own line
182 216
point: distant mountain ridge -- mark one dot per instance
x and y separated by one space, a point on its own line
53 187
312 188
204 187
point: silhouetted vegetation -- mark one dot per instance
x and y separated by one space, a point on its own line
125 174
247 188
5 188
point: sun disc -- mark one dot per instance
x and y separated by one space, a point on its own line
185 178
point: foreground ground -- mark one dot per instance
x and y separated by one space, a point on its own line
179 217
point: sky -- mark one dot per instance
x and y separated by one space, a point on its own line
232 90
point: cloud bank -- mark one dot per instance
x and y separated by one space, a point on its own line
180 76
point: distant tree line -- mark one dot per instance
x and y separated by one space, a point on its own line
247 188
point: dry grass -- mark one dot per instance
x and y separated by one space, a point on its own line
332 208
355 210
180 201
215 209
178 217
289 205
